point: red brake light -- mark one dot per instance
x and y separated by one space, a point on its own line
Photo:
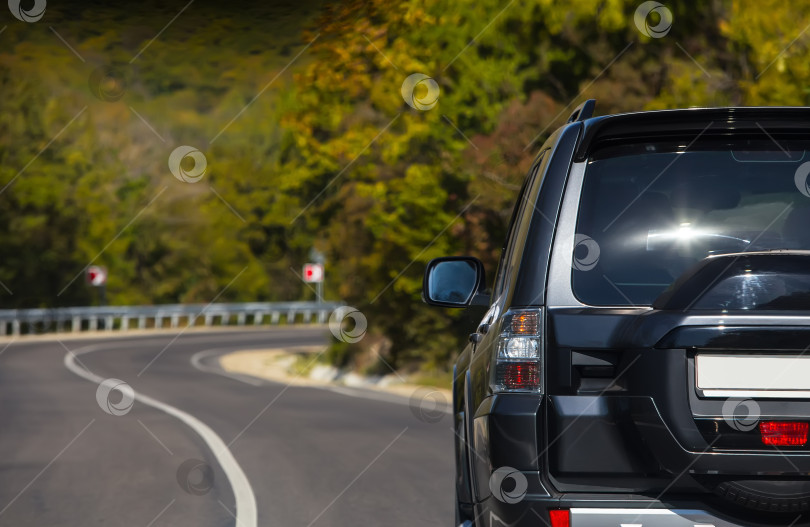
783 433
518 375
560 518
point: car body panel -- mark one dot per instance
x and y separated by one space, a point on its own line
622 427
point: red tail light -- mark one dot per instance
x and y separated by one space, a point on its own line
518 375
783 433
519 357
560 518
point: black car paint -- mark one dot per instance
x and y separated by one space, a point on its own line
471 384
661 420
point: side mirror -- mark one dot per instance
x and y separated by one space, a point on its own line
455 281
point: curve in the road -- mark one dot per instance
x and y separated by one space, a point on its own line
199 358
246 512
197 362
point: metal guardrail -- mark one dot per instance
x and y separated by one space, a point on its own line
121 318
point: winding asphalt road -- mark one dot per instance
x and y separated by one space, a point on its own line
195 442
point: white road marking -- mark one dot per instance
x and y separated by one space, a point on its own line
246 513
197 358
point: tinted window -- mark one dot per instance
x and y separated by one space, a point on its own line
651 210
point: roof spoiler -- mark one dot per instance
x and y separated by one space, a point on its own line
583 111
692 122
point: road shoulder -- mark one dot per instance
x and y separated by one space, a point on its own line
283 365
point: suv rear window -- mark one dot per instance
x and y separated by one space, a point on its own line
655 208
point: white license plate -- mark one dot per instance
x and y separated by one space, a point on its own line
776 376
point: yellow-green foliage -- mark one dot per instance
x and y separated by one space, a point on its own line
328 154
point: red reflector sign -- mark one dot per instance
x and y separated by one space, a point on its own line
560 518
783 433
313 272
96 275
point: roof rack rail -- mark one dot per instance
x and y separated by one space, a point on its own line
583 111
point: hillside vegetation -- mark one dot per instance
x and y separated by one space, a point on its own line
298 110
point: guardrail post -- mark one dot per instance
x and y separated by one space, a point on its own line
93 323
258 318
108 323
15 327
76 324
240 319
291 316
141 322
275 316
208 320
175 320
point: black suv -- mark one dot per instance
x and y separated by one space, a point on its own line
642 361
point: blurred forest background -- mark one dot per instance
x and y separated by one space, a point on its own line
320 149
